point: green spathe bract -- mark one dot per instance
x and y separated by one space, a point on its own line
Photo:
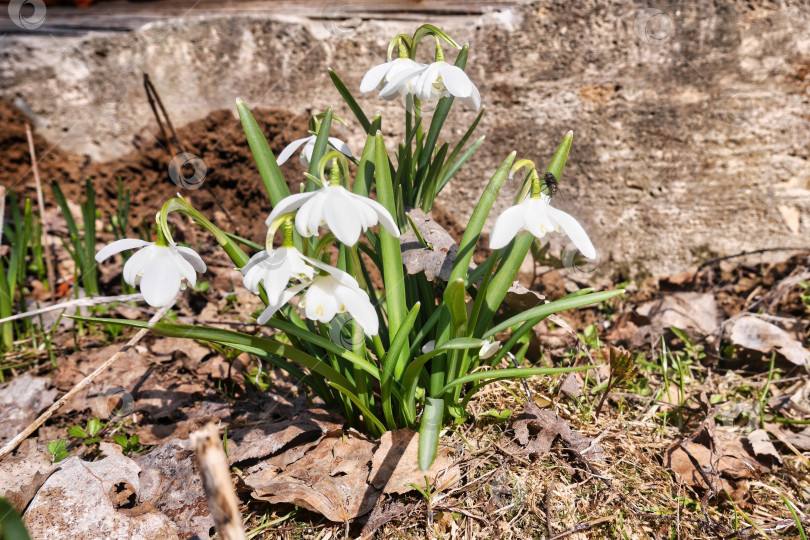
384 381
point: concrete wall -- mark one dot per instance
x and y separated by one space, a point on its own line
691 119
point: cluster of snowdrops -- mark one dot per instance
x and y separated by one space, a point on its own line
407 352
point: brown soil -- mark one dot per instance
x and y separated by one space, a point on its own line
232 196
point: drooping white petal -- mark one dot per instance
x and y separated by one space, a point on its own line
424 85
340 146
161 280
574 230
489 349
507 226
187 271
342 220
320 301
288 205
192 257
385 218
360 308
474 100
255 260
310 216
118 246
135 265
402 83
286 296
299 269
374 77
291 148
344 278
429 346
455 80
536 218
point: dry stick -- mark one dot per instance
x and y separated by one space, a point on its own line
2 210
213 466
78 302
584 526
12 444
41 203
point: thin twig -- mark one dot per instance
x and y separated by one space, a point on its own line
77 302
584 527
2 210
173 145
213 466
46 248
12 444
744 253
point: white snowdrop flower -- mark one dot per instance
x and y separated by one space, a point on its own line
403 70
160 271
489 349
536 215
435 81
429 346
344 213
309 146
327 295
331 294
275 269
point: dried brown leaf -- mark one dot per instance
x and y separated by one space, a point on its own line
268 438
96 500
537 429
21 401
753 333
692 312
171 483
22 474
715 459
395 464
330 479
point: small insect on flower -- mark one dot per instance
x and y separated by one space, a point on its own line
551 183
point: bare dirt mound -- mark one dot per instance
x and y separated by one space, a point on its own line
232 193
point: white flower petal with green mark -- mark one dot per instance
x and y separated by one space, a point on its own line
441 79
537 216
344 213
274 270
327 296
160 271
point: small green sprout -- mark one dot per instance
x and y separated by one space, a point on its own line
58 450
622 369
